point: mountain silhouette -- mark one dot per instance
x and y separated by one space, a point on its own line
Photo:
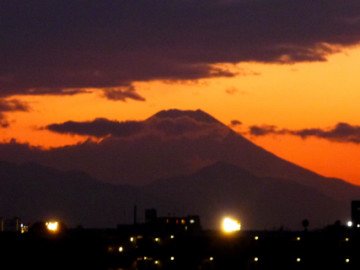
223 189
177 146
34 192
37 193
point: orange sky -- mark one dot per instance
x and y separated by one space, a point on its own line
298 96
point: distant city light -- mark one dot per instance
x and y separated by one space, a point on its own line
256 259
121 249
349 223
52 226
211 258
298 238
230 225
347 260
298 259
172 258
256 237
157 239
172 236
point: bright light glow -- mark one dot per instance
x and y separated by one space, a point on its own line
121 249
211 258
192 221
256 259
347 260
131 239
156 262
346 239
172 258
230 225
52 226
256 237
157 239
349 223
298 259
298 238
172 236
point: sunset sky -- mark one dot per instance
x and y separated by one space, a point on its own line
283 73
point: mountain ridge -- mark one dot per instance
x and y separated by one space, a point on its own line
35 192
175 143
260 202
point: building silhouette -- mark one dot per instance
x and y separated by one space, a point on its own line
355 213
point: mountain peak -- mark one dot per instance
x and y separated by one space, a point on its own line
197 115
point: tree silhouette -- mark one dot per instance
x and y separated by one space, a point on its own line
305 224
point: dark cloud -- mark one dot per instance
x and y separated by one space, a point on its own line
122 93
49 46
342 132
3 122
11 105
166 124
234 123
99 127
263 130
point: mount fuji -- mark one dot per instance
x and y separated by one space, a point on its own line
186 161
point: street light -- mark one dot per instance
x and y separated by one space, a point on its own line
230 225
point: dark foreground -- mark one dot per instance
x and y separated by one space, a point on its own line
136 247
